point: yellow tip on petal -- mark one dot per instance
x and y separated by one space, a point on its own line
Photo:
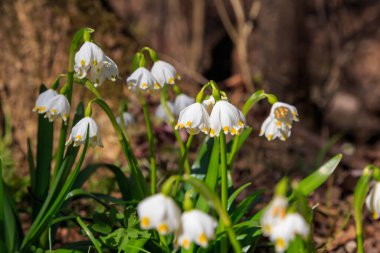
157 86
144 85
82 62
202 239
280 243
212 132
171 80
270 137
178 76
163 228
233 131
78 137
188 124
241 123
186 243
145 222
375 216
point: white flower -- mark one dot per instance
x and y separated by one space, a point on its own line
373 201
58 106
226 117
209 103
159 212
197 227
127 119
194 119
287 229
275 212
181 102
161 113
79 133
279 122
164 72
105 70
143 79
89 55
43 99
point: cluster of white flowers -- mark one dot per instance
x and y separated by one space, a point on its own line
373 201
282 227
279 122
160 212
53 105
181 101
224 117
161 73
92 62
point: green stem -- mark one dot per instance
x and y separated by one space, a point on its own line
223 170
151 140
234 150
183 161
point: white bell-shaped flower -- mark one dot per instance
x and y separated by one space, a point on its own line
373 201
105 70
197 227
79 133
209 103
142 78
287 229
164 72
161 113
58 106
279 122
227 118
194 119
128 119
271 129
43 99
89 55
181 102
275 212
159 212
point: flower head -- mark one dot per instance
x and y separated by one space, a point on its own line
275 212
197 227
89 55
287 229
161 113
181 102
227 118
143 79
164 72
127 119
194 119
79 133
105 70
373 201
279 122
159 212
43 100
58 106
209 103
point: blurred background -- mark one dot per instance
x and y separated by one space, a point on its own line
323 56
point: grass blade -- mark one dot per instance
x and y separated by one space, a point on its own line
94 241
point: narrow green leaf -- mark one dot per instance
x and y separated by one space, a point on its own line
316 179
256 97
2 215
32 167
236 193
243 207
43 163
94 241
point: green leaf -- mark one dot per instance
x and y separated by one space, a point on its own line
41 180
236 193
2 215
102 228
236 144
243 207
256 97
94 241
316 179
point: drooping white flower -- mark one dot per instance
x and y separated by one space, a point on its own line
58 106
181 102
89 55
161 113
79 133
286 230
43 99
275 212
159 212
209 103
197 227
373 201
164 72
227 118
143 79
194 119
279 122
127 119
105 70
